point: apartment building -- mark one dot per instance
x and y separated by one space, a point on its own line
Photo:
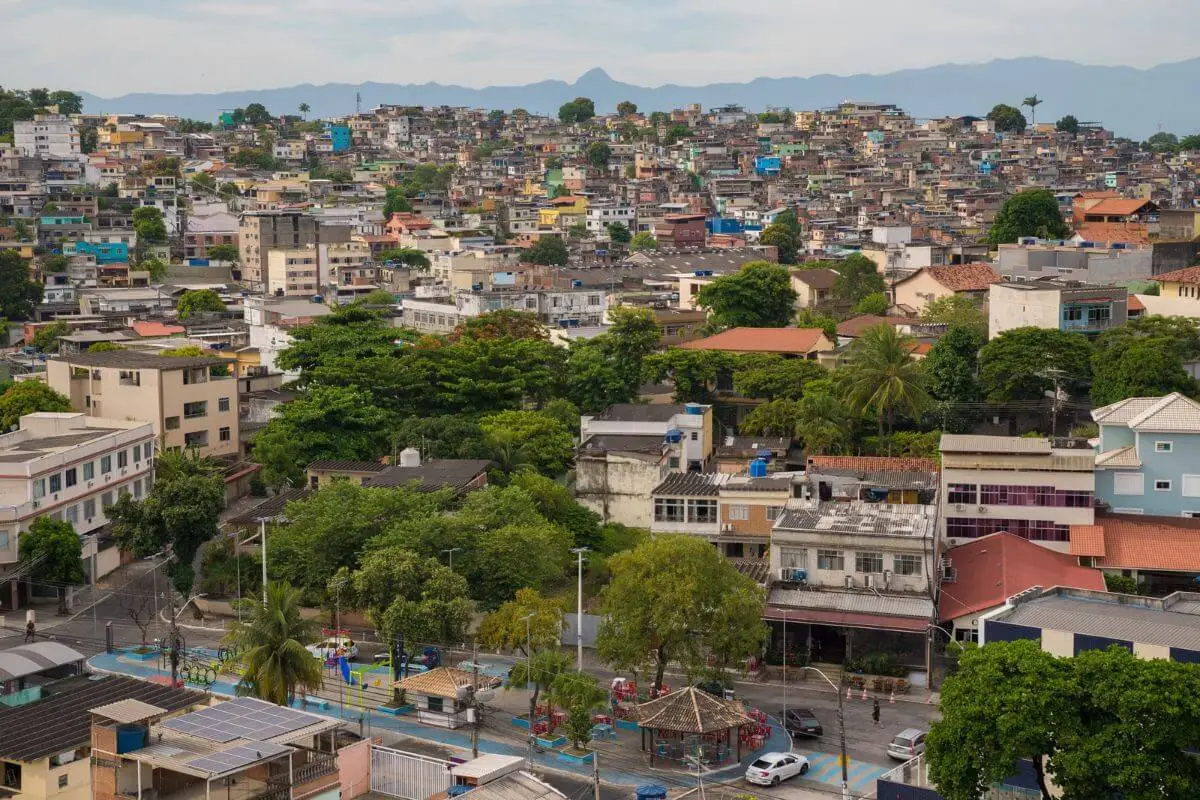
734 512
293 272
192 402
46 135
71 467
260 232
1033 488
1056 306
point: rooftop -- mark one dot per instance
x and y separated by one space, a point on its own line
453 473
649 444
443 682
1119 541
859 609
1172 413
639 412
348 466
764 340
964 277
1185 275
991 569
968 443
138 359
690 710
858 518
31 443
816 278
710 484
30 659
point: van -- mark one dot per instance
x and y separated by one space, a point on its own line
909 743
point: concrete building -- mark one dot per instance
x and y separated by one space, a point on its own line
71 467
192 402
734 512
1028 487
293 272
260 232
1096 265
1064 307
46 135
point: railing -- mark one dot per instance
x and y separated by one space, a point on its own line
914 772
275 790
318 766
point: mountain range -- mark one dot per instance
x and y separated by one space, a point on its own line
1133 102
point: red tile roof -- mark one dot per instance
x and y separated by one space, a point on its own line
857 326
993 568
764 340
1109 232
1150 543
156 329
1185 275
1116 206
1087 540
1135 304
965 277
874 463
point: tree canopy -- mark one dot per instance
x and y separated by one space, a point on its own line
505 628
957 311
405 593
56 552
643 240
1067 124
1033 212
1146 366
199 301
950 371
783 239
28 397
1007 119
882 379
857 278
759 295
581 109
18 294
548 251
626 108
598 154
1017 365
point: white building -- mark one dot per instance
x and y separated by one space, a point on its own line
47 135
1027 487
599 217
70 467
269 320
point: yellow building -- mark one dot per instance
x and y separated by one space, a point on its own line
574 205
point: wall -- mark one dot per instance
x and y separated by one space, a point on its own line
919 291
1010 307
175 393
617 487
354 769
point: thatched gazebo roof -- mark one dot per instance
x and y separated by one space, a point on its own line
690 710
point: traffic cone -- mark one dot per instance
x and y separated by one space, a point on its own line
892 697
848 693
864 693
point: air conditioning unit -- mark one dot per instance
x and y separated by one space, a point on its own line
849 581
983 510
868 581
91 484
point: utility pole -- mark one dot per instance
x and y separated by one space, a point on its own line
595 775
262 534
579 551
337 627
475 698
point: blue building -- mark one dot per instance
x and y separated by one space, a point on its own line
105 253
339 136
1149 456
724 225
767 165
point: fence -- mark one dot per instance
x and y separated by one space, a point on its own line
408 776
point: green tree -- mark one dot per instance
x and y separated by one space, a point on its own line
1018 364
68 102
557 504
28 397
676 598
1183 333
272 637
327 422
824 423
409 256
503 324
156 267
758 295
770 376
594 379
778 417
1145 367
379 297
417 597
304 109
882 379
1163 142
581 109
857 277
1068 124
811 318
643 240
104 347
1033 101
441 436
505 628
256 114
1190 143
783 240
957 311
626 108
598 155
694 372
675 134
787 219
1008 119
541 671
618 233
223 252
876 304
149 226
46 337
658 118
547 250
542 442
18 294
53 551
950 370
395 202
199 301
1034 212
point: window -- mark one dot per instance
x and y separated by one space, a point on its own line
740 513
868 562
39 488
172 423
3 540
223 404
137 489
196 409
105 465
435 703
223 434
673 462
1131 483
1162 447
704 511
55 483
831 560
695 436
908 565
122 459
148 450
89 470
668 509
793 558
195 439
89 508
1190 485
71 477
962 493
106 500
71 515
593 299
137 453
1162 486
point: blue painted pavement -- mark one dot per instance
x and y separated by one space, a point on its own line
825 768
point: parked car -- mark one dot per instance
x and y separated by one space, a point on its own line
909 743
770 769
802 722
333 647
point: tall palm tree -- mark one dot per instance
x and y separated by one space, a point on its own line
882 378
822 424
304 109
1033 101
507 450
272 639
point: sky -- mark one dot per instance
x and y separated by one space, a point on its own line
112 47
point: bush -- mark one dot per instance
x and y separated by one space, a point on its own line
1123 584
258 487
877 663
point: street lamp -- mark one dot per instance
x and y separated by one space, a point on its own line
528 679
452 551
842 729
579 551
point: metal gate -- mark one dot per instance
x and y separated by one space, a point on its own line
407 775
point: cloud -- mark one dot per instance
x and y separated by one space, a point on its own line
213 45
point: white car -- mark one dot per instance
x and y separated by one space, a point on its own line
333 647
771 768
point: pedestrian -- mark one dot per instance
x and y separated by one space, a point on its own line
30 631
875 713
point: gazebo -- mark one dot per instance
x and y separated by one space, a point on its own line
691 722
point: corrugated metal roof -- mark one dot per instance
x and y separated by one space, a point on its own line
692 484
1085 461
517 786
128 710
1094 617
28 659
968 443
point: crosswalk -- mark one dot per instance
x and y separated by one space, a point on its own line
825 768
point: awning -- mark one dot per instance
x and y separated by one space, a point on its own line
846 619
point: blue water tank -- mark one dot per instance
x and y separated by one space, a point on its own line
800 575
694 408
458 791
674 435
131 737
758 468
651 791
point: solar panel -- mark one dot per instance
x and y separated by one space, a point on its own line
242 718
237 757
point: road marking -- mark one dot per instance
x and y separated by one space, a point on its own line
826 768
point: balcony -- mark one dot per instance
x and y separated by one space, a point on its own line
319 765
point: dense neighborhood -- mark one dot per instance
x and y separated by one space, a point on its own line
431 451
